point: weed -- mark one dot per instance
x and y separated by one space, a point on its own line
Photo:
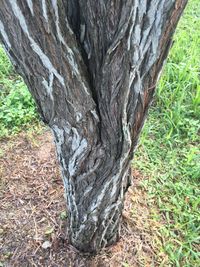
17 107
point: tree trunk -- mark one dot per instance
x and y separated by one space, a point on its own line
92 68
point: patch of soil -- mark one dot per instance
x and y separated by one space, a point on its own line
33 229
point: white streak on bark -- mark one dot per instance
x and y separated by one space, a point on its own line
55 7
30 6
133 16
4 35
82 35
148 41
107 213
68 182
86 192
131 77
138 84
85 88
49 86
61 39
94 113
44 10
76 139
116 179
73 161
68 27
78 116
96 203
70 54
45 60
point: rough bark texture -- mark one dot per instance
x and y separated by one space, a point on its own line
92 67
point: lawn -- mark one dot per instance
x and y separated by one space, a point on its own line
168 156
169 153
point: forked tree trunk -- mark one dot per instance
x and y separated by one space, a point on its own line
92 67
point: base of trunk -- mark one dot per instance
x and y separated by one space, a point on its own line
103 237
102 229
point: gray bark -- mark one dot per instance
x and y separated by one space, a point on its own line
92 68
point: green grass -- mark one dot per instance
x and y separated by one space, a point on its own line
17 108
168 152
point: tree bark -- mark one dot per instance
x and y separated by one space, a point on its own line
92 68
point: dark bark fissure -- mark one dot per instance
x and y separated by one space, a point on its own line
92 68
77 24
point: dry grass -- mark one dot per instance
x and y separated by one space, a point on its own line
31 213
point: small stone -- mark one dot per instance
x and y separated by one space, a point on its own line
46 244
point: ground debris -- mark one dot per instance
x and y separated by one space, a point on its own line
33 230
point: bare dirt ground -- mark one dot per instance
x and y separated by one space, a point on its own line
33 229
